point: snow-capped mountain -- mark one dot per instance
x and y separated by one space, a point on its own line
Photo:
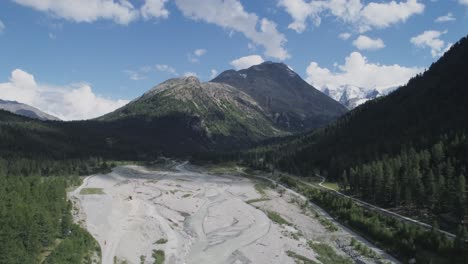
352 96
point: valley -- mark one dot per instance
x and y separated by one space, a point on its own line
193 214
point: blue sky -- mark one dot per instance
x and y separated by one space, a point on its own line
103 53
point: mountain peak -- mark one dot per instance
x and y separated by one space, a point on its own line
292 103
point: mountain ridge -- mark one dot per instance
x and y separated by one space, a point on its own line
290 102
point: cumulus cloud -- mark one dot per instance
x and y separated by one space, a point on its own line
154 9
213 74
357 71
194 56
447 18
431 39
121 12
353 12
166 68
230 14
246 62
366 43
72 102
344 36
2 26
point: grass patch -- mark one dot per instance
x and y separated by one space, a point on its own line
327 254
275 217
331 185
86 191
158 256
257 200
187 195
260 188
328 224
363 249
161 241
299 259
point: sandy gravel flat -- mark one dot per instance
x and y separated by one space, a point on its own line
204 218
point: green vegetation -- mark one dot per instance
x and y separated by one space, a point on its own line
404 240
260 188
159 256
331 185
275 217
187 195
363 249
327 224
327 254
35 218
78 247
87 191
257 200
161 241
299 259
142 259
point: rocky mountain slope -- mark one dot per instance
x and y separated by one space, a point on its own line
216 111
290 102
25 110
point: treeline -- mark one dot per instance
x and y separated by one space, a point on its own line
35 216
431 180
406 241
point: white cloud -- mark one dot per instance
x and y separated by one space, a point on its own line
154 9
230 14
357 71
194 57
71 102
246 62
344 36
463 2
213 74
447 18
189 74
2 26
165 68
135 75
353 12
431 39
121 12
366 43
199 52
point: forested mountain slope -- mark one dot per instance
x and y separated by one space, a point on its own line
409 148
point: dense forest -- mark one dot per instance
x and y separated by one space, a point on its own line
35 215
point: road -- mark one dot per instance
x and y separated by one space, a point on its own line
378 209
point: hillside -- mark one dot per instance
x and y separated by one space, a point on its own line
217 112
25 110
289 101
406 150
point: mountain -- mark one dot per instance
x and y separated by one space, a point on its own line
217 112
406 152
352 96
287 99
25 110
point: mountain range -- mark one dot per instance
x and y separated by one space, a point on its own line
25 110
352 96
